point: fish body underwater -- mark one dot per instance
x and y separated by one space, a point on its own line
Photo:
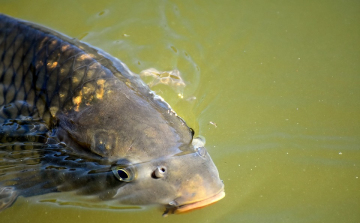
73 118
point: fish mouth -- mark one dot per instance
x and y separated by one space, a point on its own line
199 204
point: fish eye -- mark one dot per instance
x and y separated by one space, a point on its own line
201 151
123 174
159 172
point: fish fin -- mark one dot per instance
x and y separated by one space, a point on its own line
8 196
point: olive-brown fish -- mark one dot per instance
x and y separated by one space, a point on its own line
73 118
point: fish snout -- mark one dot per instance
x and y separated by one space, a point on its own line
198 192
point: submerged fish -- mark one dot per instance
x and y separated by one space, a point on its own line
79 120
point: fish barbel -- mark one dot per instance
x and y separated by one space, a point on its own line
106 134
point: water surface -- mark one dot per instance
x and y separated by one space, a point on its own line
272 85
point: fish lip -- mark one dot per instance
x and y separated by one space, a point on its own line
199 204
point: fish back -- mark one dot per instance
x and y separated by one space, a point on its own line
42 72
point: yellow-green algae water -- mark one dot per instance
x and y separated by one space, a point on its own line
278 80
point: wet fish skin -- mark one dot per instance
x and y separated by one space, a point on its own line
45 71
106 116
59 79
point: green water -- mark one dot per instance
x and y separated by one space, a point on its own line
281 80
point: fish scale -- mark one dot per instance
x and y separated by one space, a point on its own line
42 69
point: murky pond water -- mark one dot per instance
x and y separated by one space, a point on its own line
273 86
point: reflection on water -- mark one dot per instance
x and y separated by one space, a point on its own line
279 79
21 149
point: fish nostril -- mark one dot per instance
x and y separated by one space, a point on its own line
159 172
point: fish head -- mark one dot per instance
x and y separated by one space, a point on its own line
181 182
164 164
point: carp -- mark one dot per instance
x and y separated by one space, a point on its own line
74 118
